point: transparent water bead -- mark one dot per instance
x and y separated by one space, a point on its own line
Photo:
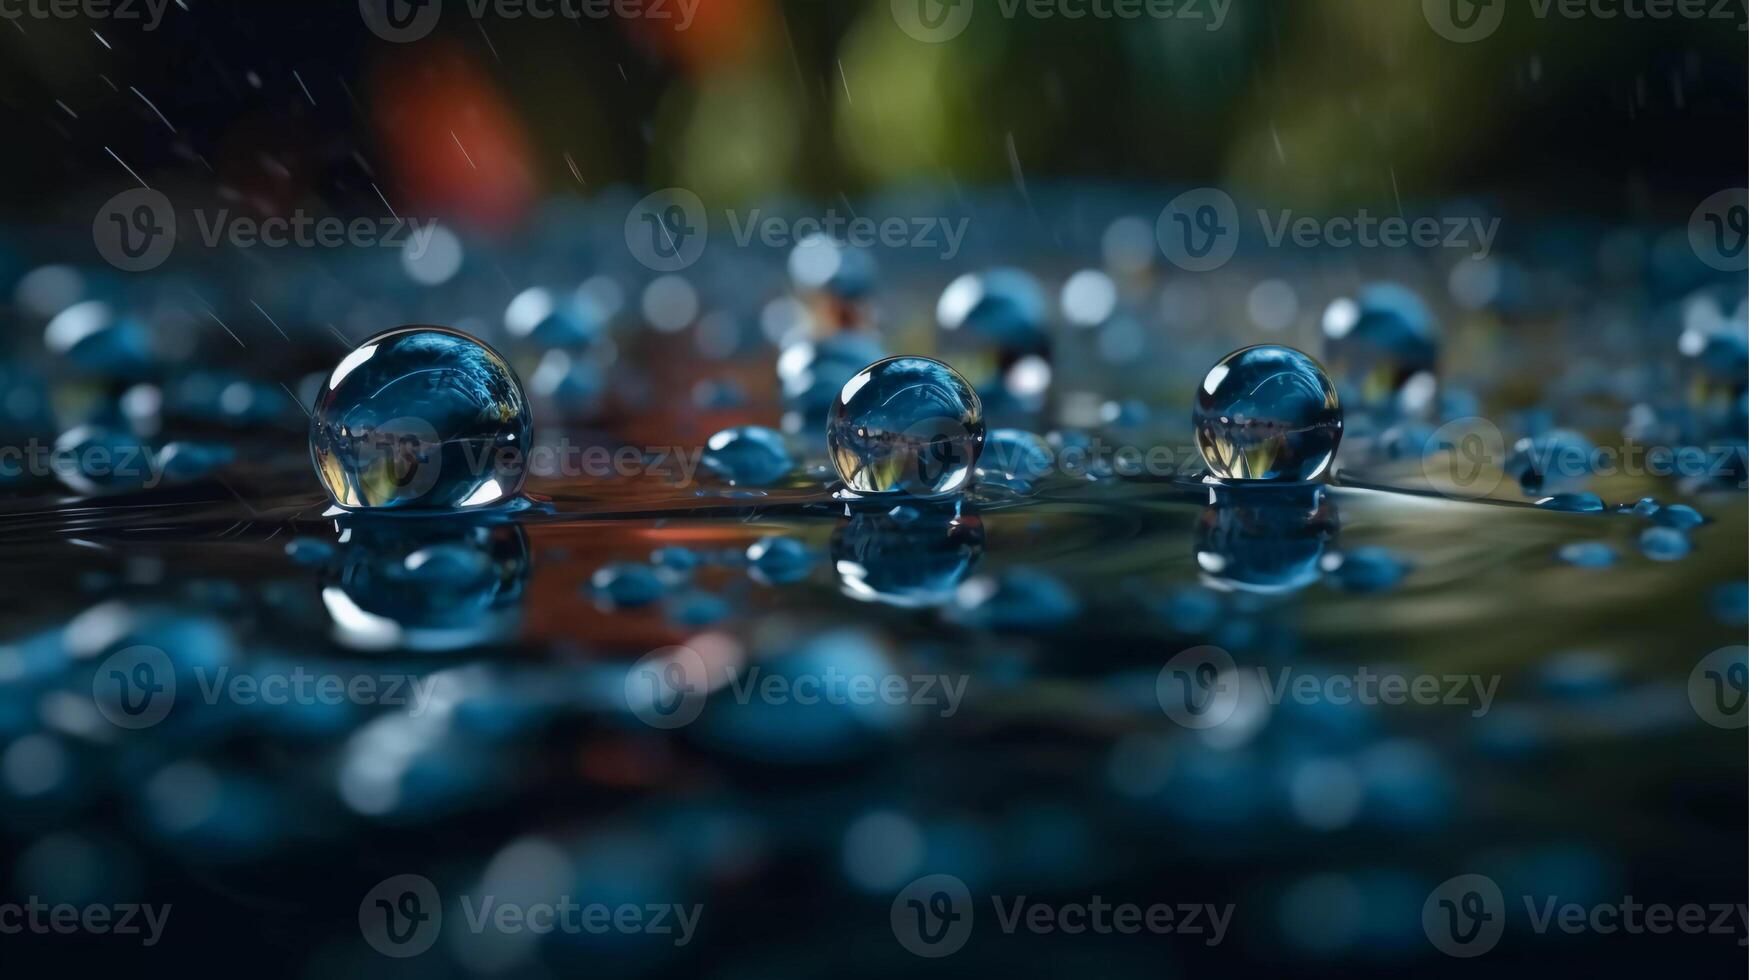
420 418
906 425
749 455
1383 345
1267 413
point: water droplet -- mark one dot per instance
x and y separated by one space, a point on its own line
779 560
93 459
906 425
1664 544
1553 461
749 455
1383 345
1679 516
1369 570
1574 503
1267 413
627 584
1021 598
1588 554
420 418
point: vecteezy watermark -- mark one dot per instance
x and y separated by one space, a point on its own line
933 916
151 12
405 21
1200 230
668 229
403 916
41 918
1466 21
935 21
1468 458
1203 687
136 688
136 231
667 688
1718 231
1718 687
1466 916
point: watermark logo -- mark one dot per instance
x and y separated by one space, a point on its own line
932 916
41 918
932 454
933 21
667 230
1468 21
401 21
150 11
135 687
1465 916
1202 688
1199 687
667 688
1718 688
1718 231
1464 458
135 231
1199 229
402 916
1464 21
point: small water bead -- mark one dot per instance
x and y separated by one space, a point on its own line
1715 350
420 418
1664 544
1679 516
627 585
1552 461
309 551
779 561
1384 346
1587 554
93 459
1267 413
1573 503
820 264
570 383
749 455
1018 453
811 373
97 339
180 462
1003 307
1018 599
906 425
695 608
1367 570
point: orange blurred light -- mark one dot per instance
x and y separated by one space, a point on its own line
454 144
723 33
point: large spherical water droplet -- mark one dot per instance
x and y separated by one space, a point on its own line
1267 413
420 418
1383 346
906 425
